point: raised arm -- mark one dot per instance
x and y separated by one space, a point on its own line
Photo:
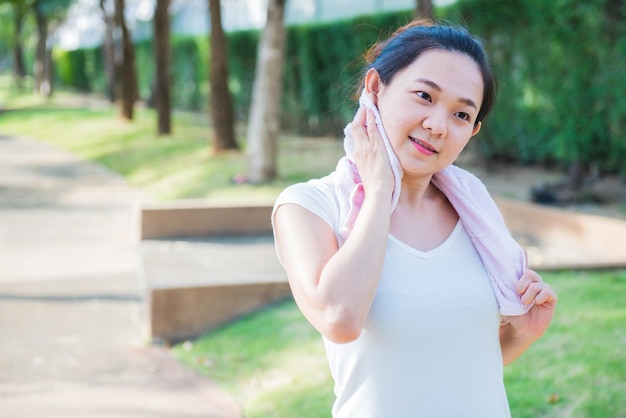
334 287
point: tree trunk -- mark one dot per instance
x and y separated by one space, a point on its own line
48 74
162 62
264 120
108 58
424 9
126 84
39 70
19 69
222 111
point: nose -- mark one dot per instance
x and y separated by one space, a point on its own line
436 123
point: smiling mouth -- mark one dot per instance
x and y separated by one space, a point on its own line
423 144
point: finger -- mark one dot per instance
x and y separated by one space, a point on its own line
372 127
529 294
358 123
534 291
529 277
523 282
545 295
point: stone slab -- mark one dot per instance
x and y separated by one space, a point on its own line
181 313
194 285
559 239
199 219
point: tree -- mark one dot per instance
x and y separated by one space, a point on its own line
222 111
424 9
42 86
124 65
48 13
162 62
108 57
264 120
20 7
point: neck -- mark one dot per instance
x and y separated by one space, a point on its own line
415 192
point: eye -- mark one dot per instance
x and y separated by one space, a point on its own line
424 95
464 116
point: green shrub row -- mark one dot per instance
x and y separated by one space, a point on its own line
559 65
321 68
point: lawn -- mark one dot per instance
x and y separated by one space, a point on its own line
177 166
274 361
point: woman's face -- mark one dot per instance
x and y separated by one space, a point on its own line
429 109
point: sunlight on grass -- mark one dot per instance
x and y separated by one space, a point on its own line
179 166
578 368
274 361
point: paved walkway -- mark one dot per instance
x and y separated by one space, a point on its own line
71 337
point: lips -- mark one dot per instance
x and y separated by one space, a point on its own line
422 144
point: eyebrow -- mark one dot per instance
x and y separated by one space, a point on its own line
435 86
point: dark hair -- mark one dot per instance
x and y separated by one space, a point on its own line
410 41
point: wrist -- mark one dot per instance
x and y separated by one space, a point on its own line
513 332
379 191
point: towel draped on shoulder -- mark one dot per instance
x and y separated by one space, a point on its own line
503 258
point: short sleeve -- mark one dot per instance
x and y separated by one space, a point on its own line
317 196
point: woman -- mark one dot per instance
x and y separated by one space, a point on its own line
399 258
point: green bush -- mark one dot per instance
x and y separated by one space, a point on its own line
559 66
144 66
242 49
71 68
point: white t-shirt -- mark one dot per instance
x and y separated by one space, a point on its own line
430 345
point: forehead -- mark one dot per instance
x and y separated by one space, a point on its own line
455 73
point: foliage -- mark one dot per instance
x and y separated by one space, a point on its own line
73 68
242 50
190 64
274 361
319 75
559 66
52 9
6 32
322 64
9 11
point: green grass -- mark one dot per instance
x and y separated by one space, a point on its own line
179 166
274 361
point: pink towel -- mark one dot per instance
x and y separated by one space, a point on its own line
503 258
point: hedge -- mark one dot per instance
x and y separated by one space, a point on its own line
559 66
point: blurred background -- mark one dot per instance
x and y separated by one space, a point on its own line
107 105
559 65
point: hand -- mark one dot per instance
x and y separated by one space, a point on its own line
532 289
370 154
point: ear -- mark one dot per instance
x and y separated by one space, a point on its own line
477 128
372 85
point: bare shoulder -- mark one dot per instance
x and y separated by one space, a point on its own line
302 236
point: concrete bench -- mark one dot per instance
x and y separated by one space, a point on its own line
559 239
205 265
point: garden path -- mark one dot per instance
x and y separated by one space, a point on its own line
71 303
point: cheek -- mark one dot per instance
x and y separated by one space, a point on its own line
389 125
457 146
394 123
